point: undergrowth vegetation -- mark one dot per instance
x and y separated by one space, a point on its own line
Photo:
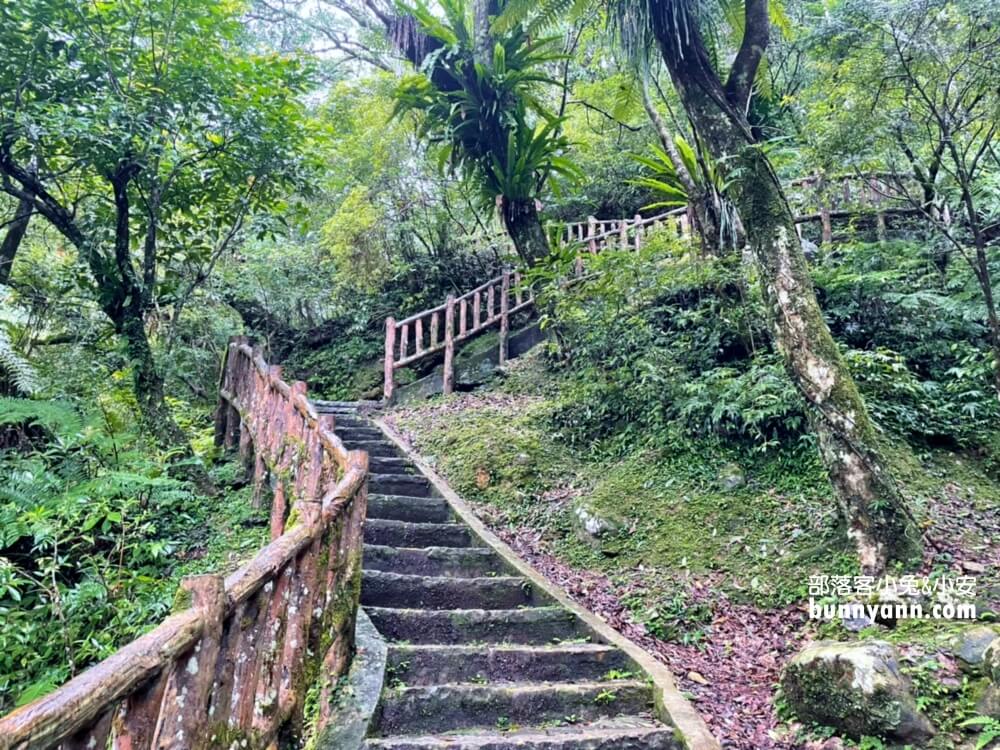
95 536
657 437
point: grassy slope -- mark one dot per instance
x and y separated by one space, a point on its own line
675 525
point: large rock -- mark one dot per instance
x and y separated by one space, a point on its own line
592 523
856 688
988 703
971 644
991 661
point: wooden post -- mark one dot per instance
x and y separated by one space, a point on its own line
824 216
184 707
638 232
476 311
435 316
504 320
418 335
491 308
623 234
824 210
390 348
449 346
463 307
404 340
592 233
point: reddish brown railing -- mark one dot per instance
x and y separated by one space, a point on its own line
816 198
493 303
232 669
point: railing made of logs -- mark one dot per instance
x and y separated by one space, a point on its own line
232 669
815 198
439 329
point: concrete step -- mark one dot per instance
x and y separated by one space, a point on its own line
645 735
460 562
382 589
404 508
406 534
357 432
390 465
411 485
373 447
444 708
534 625
430 664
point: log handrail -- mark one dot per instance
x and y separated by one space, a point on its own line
495 301
875 193
231 667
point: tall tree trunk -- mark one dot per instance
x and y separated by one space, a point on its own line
874 508
521 219
12 240
700 201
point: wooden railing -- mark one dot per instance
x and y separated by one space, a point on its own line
825 198
815 198
440 328
232 669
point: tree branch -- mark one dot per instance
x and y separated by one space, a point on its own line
756 33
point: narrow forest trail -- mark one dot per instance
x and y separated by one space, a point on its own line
479 657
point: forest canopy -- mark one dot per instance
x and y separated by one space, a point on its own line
826 335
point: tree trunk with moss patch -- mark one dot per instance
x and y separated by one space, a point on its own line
873 506
521 219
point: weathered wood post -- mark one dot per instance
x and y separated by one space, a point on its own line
877 192
638 232
623 235
449 345
824 211
184 707
504 318
592 233
389 388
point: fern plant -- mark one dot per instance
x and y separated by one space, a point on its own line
989 730
15 368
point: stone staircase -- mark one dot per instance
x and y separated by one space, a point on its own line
478 657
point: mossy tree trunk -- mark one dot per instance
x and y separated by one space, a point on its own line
873 506
699 199
12 240
523 224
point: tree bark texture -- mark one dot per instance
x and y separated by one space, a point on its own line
521 219
873 506
12 240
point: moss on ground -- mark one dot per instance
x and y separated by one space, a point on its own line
667 508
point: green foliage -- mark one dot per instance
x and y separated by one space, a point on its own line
15 368
989 730
491 125
93 537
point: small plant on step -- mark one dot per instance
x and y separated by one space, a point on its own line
988 727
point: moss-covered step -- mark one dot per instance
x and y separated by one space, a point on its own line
536 625
461 562
385 589
424 708
406 534
355 432
575 737
407 508
389 465
430 664
412 485
373 447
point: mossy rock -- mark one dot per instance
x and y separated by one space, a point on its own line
856 688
